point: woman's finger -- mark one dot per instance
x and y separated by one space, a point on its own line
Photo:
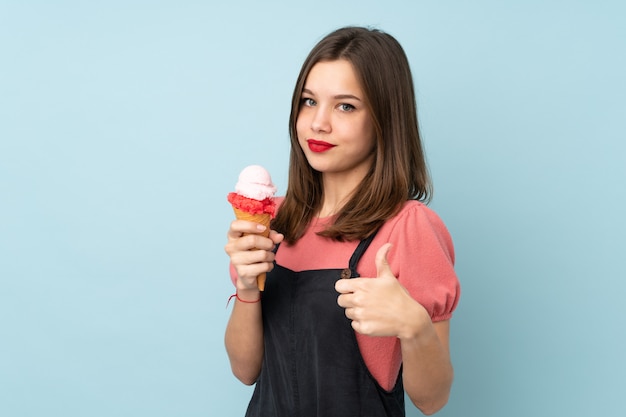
240 227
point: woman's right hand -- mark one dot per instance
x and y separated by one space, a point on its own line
250 253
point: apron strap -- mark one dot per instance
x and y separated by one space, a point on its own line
358 252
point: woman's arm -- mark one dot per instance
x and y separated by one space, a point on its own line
250 254
383 307
426 368
244 338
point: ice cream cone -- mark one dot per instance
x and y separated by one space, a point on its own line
253 200
264 219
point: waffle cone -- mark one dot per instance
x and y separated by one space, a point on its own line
263 219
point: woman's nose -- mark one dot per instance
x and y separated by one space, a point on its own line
321 121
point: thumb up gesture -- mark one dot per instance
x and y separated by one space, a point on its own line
380 306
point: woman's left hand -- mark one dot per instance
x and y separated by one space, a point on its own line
381 306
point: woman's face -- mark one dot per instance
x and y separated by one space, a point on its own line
334 125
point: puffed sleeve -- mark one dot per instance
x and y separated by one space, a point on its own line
424 260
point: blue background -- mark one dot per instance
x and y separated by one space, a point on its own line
124 124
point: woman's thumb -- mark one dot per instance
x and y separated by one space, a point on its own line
382 265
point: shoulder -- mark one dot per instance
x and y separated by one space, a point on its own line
412 208
416 216
417 233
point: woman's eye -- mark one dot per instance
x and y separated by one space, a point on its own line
308 102
346 107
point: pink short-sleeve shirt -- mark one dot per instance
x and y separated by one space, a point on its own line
422 258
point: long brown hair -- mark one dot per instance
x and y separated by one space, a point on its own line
398 172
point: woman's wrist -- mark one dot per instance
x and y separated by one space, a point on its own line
248 295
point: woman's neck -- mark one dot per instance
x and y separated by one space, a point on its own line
337 191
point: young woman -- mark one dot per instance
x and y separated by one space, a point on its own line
360 285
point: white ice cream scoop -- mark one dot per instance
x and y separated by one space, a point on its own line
255 182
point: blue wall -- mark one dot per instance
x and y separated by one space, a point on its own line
124 124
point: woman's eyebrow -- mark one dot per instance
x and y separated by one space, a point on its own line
347 96
337 97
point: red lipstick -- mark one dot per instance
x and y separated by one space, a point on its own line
319 145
